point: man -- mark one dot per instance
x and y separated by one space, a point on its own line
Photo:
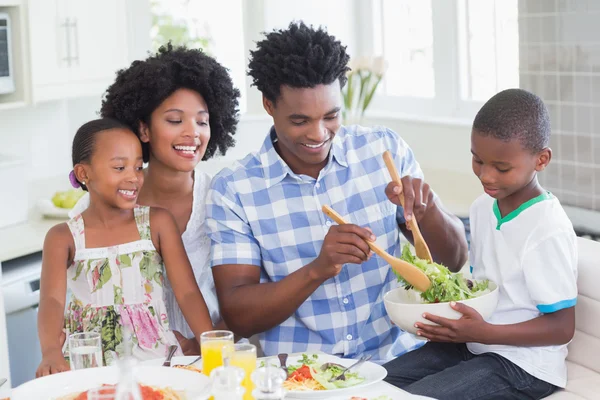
281 268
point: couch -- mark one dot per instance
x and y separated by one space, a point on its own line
583 361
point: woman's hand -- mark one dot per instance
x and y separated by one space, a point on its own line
190 347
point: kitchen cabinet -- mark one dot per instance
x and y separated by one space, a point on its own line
76 46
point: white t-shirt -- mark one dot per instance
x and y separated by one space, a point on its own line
531 254
197 247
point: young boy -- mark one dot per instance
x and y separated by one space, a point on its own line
523 241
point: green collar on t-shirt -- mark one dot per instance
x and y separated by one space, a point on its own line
513 214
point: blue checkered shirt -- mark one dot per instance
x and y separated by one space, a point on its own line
261 213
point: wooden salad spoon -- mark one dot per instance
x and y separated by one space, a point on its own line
421 248
409 272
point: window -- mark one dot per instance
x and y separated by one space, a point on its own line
408 48
214 26
446 57
488 47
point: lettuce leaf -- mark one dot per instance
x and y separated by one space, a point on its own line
445 285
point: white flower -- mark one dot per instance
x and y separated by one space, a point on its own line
363 63
379 66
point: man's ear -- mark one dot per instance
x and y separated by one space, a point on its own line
268 105
543 159
144 132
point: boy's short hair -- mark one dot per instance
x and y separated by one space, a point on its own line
300 57
515 114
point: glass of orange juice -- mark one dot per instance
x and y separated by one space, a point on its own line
212 344
244 357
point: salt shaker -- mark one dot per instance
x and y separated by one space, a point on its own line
128 388
268 382
227 383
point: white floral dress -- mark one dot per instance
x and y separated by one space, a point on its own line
118 292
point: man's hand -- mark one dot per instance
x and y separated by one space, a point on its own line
418 197
343 244
469 328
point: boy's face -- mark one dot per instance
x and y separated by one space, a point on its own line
504 167
306 121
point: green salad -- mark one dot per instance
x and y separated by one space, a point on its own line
310 368
445 285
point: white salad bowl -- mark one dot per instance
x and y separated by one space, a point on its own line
405 307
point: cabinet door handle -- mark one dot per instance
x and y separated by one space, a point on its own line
67 26
75 27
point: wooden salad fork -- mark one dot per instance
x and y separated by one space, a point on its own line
409 272
421 248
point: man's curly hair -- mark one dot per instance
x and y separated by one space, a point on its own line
300 57
141 88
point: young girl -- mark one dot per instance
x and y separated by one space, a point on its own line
183 106
111 258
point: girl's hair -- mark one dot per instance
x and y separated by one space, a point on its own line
139 89
85 139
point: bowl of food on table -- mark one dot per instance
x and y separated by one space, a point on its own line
313 375
406 306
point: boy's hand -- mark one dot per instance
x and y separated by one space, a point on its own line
52 362
469 328
418 196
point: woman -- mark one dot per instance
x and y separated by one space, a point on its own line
183 106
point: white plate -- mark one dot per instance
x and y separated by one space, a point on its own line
185 360
196 386
372 373
49 210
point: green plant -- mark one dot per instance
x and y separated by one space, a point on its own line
363 79
168 28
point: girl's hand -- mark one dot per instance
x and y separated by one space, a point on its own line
190 347
52 362
469 328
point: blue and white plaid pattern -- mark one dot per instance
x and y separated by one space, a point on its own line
260 213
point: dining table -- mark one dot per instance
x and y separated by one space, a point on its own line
378 390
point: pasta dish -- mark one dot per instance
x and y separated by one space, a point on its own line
311 375
148 393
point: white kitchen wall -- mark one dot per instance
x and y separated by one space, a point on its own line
42 133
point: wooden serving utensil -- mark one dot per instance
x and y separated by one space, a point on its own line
421 247
409 272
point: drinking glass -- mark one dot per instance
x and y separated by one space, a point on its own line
211 347
244 356
85 350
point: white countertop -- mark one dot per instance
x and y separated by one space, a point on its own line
28 237
456 190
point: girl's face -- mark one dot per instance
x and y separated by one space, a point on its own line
115 171
178 132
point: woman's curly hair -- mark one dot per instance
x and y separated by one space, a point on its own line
141 88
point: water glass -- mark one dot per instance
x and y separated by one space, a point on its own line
212 344
85 350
